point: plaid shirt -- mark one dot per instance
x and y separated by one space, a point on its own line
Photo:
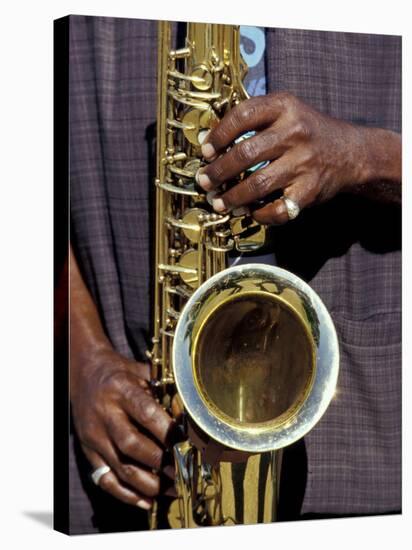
342 248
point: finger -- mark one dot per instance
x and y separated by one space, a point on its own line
302 193
266 145
272 213
143 408
140 479
252 114
257 186
110 483
134 444
143 481
171 492
142 370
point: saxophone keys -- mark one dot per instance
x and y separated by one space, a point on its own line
202 78
171 157
181 53
189 191
184 100
220 248
179 290
192 223
182 172
173 314
225 234
172 123
194 79
195 120
168 333
204 96
252 241
189 260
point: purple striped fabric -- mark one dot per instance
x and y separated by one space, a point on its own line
348 249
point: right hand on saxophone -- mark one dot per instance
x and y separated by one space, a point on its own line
122 429
311 157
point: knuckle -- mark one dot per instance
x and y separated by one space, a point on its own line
285 98
249 110
301 130
258 185
128 445
243 113
127 472
245 151
131 392
252 187
215 171
156 458
237 116
305 159
106 483
263 183
116 384
147 410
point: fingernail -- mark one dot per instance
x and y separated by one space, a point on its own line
218 205
208 151
241 211
203 180
145 504
210 196
202 135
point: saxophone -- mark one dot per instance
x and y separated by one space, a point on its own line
244 357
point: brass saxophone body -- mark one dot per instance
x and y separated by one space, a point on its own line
248 353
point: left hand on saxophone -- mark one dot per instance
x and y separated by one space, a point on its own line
312 157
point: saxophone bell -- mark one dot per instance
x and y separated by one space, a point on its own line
255 358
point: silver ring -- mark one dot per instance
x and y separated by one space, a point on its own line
99 473
292 208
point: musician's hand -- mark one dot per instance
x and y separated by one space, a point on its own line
120 424
312 156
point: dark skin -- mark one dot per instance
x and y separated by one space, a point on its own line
111 404
313 157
